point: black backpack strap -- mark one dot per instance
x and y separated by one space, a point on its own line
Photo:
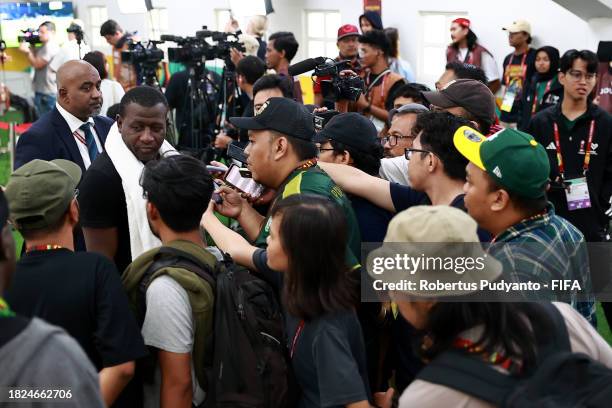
457 370
462 372
559 341
173 257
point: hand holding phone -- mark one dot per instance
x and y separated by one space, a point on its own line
242 180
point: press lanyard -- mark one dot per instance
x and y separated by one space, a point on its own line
535 97
382 76
523 68
80 138
296 336
47 247
587 151
5 310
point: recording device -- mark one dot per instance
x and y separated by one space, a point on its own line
145 59
206 106
341 87
138 53
215 169
236 153
322 118
77 31
30 35
197 49
242 180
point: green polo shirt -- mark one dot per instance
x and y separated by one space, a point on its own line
315 181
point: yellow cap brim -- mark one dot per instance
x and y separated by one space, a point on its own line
468 142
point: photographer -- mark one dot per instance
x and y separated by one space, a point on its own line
347 50
45 89
125 74
73 49
380 82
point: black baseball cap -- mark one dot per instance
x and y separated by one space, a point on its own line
352 129
283 115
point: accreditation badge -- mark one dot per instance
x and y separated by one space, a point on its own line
508 101
577 194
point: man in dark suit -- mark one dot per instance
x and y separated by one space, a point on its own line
72 130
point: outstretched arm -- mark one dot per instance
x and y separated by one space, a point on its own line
227 240
361 184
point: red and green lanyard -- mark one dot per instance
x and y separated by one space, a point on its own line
523 69
495 358
587 151
45 247
5 310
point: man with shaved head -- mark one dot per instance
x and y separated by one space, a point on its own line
73 130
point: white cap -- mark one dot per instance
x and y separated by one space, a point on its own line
518 26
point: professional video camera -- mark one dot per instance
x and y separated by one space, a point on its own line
197 49
189 50
216 99
328 72
30 35
145 59
138 53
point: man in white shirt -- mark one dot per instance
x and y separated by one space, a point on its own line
70 131
400 137
71 49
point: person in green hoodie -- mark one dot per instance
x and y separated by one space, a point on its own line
178 320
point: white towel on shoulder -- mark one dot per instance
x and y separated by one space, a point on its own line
130 169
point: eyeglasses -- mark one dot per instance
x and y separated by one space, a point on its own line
579 75
408 152
392 139
325 150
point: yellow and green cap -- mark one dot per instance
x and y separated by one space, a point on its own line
513 159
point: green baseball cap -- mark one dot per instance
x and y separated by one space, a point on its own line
513 159
40 191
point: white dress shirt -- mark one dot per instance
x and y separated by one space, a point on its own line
74 124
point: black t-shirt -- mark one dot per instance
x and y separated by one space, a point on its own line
373 220
82 293
404 197
102 205
513 77
329 360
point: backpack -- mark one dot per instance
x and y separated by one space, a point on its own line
249 366
560 379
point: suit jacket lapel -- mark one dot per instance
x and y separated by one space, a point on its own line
64 134
101 131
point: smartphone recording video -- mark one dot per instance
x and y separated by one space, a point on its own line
241 179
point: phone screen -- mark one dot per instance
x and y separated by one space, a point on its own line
241 179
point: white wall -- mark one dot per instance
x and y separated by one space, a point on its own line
551 23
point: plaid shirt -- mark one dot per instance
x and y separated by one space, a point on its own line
545 248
